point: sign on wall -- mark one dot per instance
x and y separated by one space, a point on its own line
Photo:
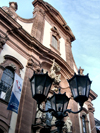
16 94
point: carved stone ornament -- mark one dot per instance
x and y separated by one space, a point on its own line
68 124
13 66
55 32
3 40
55 89
13 5
38 112
53 120
90 108
53 70
30 62
11 10
80 71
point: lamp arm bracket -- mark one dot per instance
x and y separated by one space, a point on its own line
44 111
70 111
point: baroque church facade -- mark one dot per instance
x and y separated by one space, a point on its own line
28 45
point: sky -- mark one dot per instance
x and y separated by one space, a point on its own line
83 17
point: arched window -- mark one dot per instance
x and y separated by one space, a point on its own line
6 83
83 124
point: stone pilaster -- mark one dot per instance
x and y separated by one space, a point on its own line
69 56
38 24
91 116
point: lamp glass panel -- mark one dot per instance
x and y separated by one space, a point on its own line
81 83
73 86
59 102
48 84
74 91
88 88
53 102
65 105
39 83
59 107
33 87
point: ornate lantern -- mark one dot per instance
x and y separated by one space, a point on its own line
40 86
80 88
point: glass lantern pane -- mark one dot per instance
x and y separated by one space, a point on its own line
81 90
81 83
65 105
33 88
47 85
39 83
88 88
75 93
59 107
73 86
53 103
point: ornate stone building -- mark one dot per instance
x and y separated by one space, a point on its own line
28 45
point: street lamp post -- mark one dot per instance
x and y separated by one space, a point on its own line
80 88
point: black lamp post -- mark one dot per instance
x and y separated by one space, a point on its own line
80 88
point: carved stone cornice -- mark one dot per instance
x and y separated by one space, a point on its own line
92 95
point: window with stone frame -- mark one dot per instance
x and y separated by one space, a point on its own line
84 120
84 124
55 39
6 83
54 42
8 68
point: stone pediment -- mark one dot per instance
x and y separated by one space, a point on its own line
55 15
52 10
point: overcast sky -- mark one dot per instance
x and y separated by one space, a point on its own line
83 17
